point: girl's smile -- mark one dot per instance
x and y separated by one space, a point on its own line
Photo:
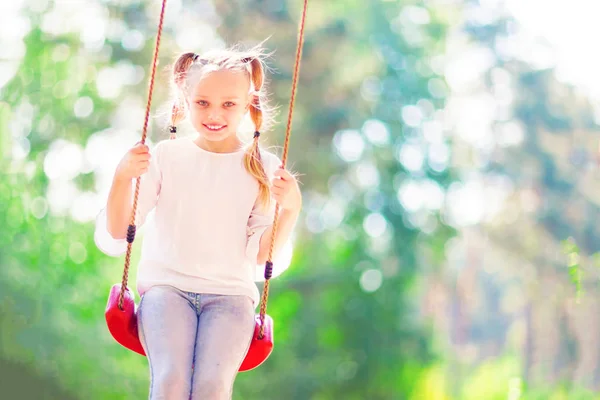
214 128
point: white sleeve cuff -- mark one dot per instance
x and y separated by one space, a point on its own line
104 240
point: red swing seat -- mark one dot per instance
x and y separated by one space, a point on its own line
123 327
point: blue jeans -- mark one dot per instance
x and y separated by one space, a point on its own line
195 343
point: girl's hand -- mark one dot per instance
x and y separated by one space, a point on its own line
134 163
285 191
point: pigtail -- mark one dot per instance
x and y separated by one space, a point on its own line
177 115
252 158
180 72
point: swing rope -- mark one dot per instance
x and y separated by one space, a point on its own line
269 264
132 228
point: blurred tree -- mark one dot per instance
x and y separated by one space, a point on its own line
529 139
371 94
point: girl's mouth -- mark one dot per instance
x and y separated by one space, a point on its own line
214 128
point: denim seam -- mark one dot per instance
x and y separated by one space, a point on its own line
196 307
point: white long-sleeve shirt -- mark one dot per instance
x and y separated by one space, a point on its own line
206 226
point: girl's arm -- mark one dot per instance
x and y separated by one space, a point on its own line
119 207
287 194
113 220
285 225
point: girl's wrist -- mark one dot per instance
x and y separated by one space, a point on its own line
290 212
119 179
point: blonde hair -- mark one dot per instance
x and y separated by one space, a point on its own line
190 67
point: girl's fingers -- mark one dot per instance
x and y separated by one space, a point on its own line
278 183
283 174
141 157
140 148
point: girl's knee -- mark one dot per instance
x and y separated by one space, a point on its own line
211 388
171 384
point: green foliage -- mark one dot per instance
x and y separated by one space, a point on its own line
347 321
573 264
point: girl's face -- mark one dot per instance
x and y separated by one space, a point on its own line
218 103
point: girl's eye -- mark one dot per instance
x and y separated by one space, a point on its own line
202 102
229 104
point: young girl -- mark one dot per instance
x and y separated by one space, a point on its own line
213 199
